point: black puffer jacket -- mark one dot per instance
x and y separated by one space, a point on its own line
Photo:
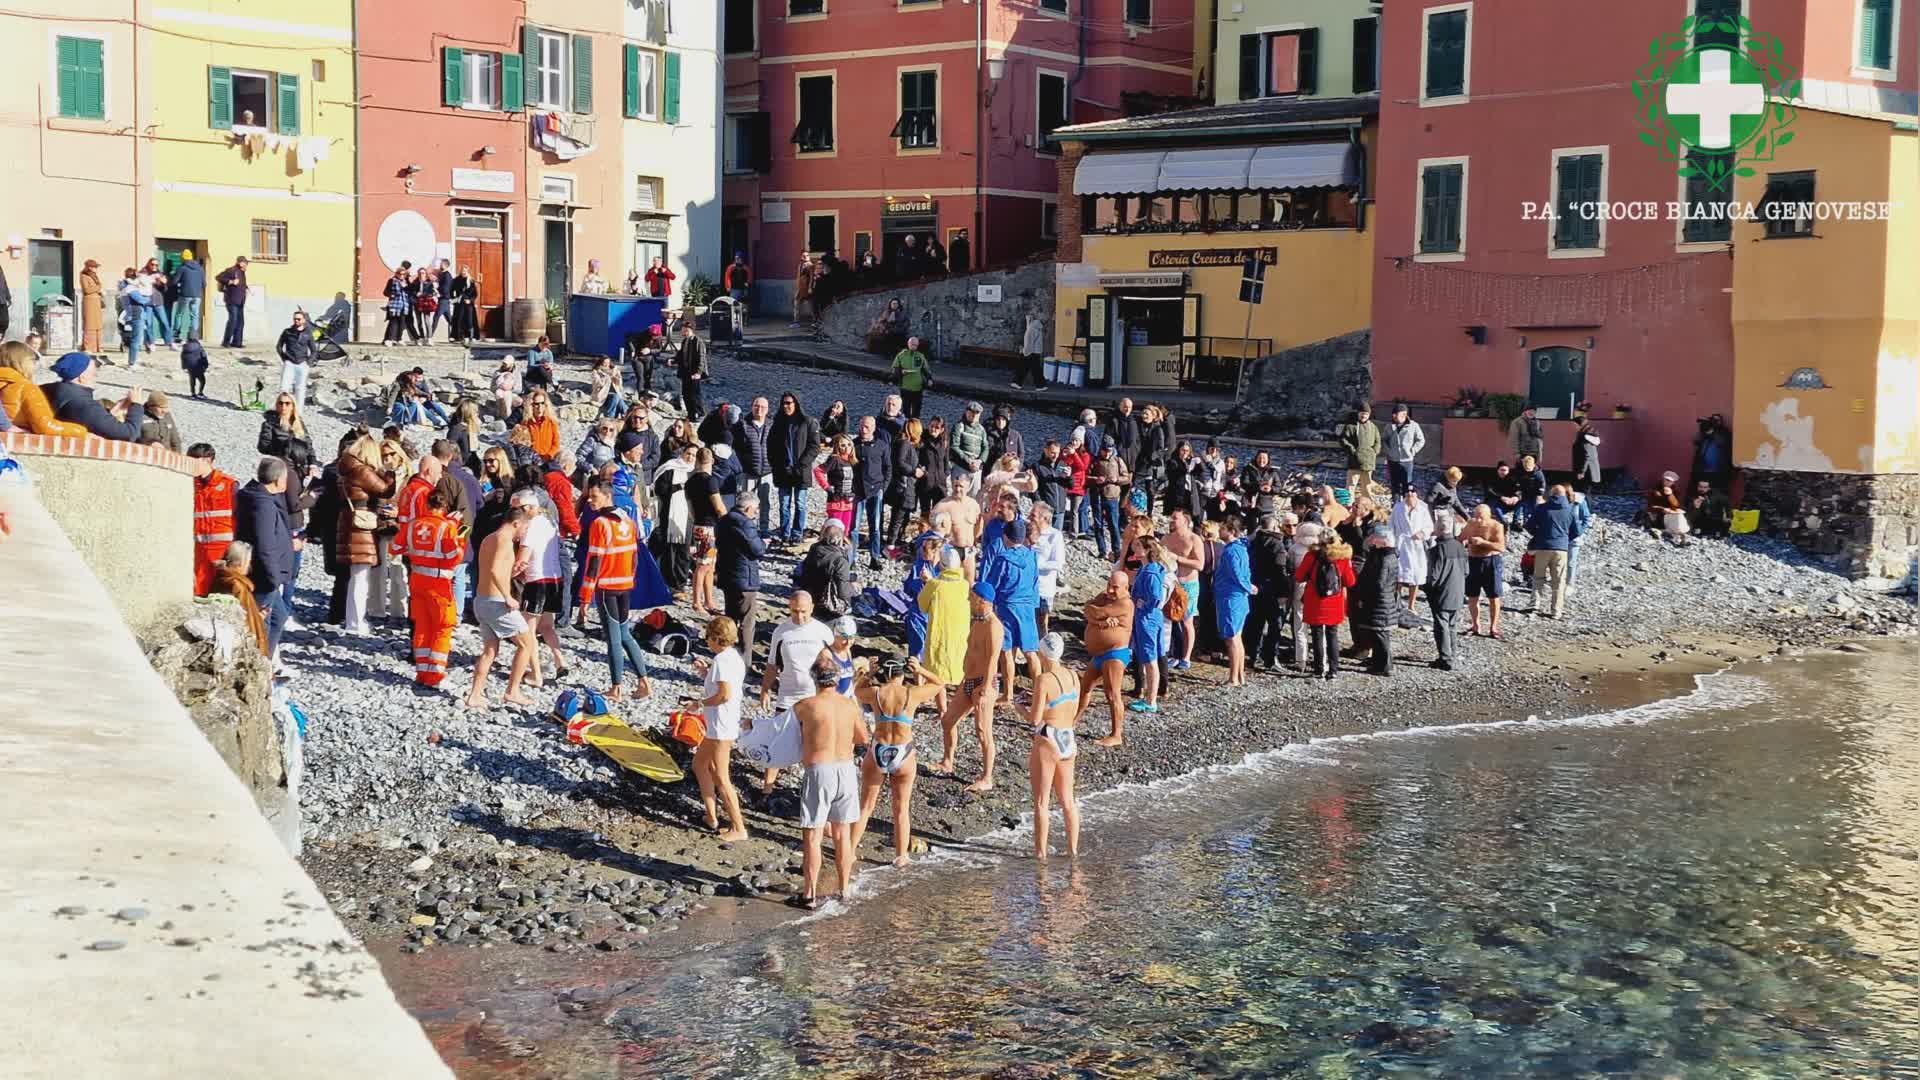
1271 555
1374 603
903 487
827 574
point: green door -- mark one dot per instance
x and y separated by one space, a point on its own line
1557 378
49 271
559 238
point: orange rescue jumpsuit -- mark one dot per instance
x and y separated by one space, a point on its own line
212 527
435 546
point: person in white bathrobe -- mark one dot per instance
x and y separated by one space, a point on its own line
1412 532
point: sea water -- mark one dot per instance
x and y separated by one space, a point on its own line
1723 884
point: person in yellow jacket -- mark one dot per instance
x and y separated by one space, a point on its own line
944 599
435 544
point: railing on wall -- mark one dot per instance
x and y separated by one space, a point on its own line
1215 362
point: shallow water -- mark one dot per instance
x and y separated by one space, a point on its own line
1722 885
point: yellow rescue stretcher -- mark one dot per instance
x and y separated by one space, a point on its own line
635 751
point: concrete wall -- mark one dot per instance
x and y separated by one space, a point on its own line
962 319
129 515
152 923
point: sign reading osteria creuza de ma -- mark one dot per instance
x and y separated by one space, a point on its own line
1210 257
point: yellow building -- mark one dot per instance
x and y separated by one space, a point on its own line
253 151
1159 214
1826 325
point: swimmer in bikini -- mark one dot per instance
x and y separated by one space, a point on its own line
1050 763
978 693
894 700
1110 644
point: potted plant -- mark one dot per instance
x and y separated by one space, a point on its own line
1506 407
1467 401
698 292
1622 412
556 322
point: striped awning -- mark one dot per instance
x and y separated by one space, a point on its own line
1289 166
1118 172
1292 166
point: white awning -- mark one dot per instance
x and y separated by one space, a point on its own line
1213 168
1303 165
1118 172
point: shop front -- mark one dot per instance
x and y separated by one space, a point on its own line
1148 287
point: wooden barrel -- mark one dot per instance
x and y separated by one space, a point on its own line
526 320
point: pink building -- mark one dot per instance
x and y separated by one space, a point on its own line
854 123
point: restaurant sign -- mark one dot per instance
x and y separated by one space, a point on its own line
1190 257
911 206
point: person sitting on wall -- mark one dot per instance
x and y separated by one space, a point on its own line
887 333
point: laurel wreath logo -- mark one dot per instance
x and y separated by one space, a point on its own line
1665 53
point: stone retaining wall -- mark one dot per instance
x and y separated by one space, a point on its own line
128 509
1868 524
961 319
1304 391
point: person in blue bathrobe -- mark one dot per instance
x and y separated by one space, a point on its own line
1232 587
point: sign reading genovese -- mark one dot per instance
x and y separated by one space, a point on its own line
1210 257
911 206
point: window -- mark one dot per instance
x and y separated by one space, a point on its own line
1220 211
552 68
252 100
738 28
919 107
806 7
1441 214
862 243
646 193
1716 11
1049 221
747 143
479 80
822 229
814 132
257 100
1786 210
1056 6
641 82
1878 23
1579 189
1281 63
1366 55
269 241
1051 110
81 75
1140 12
1708 207
1444 59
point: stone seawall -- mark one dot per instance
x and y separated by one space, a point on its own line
949 310
1304 391
1868 524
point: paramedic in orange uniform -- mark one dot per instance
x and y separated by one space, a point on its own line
613 548
212 516
435 545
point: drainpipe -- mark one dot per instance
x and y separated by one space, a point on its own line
138 186
1079 64
979 127
1365 195
359 225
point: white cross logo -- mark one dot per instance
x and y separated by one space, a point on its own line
1716 99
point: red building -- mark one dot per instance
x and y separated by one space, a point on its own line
853 123
1489 118
442 148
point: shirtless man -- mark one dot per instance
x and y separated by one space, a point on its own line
1189 551
1110 649
963 520
977 690
894 698
498 612
1486 541
830 727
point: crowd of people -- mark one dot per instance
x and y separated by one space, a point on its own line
661 509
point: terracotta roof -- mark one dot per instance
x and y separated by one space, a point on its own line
1238 118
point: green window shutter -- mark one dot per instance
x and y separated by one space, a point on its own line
1250 48
67 62
288 108
453 76
1715 11
219 97
582 73
530 62
513 83
1452 208
1566 226
1590 196
1439 202
670 93
1309 61
1876 34
630 64
1701 194
1446 54
93 79
1365 39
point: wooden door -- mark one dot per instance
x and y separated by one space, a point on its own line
1557 378
480 246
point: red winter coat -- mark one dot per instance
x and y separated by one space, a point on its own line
1078 461
1317 610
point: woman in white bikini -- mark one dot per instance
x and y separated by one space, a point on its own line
1056 696
886 690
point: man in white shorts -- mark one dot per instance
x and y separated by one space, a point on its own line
830 727
795 645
